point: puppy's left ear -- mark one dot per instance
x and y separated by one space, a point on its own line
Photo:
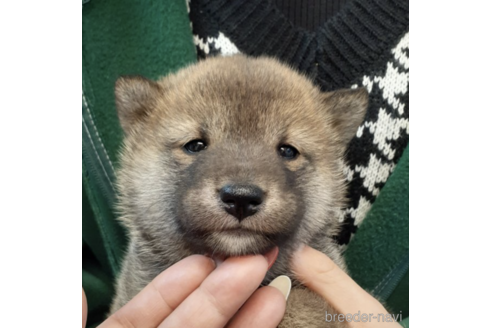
346 109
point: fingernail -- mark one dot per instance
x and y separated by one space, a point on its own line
283 284
271 256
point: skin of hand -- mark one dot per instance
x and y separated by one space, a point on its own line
84 308
320 274
196 292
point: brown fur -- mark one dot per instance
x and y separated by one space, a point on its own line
244 109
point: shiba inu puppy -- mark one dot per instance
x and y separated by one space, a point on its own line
232 156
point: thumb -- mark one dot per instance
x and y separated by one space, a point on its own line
320 274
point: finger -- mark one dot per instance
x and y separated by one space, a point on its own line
84 309
265 308
159 298
320 274
221 295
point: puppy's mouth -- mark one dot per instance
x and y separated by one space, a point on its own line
234 242
237 231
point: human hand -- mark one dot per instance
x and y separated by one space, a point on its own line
320 274
196 293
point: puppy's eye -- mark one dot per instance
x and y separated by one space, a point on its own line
195 146
287 152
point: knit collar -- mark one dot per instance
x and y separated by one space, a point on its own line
335 54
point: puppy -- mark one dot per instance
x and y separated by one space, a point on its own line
232 156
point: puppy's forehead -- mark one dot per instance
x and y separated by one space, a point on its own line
253 82
237 95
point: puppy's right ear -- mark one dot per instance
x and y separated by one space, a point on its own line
134 95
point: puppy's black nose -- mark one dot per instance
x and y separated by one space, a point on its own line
241 200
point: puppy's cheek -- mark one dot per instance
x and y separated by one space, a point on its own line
280 214
182 158
201 209
297 164
284 202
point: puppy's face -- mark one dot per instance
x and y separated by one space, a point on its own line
235 155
